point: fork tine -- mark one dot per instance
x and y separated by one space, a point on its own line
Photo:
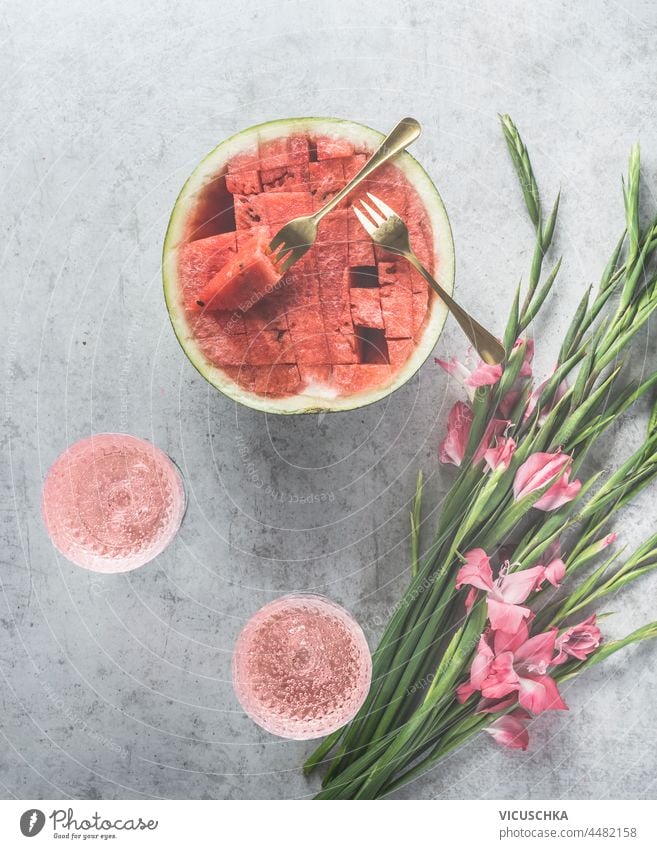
378 219
277 241
385 209
291 258
367 224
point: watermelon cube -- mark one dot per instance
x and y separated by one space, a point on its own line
246 278
274 153
333 264
397 309
244 376
361 246
278 380
337 316
351 165
343 348
420 308
280 207
399 350
357 378
225 350
249 211
299 149
311 350
333 148
244 183
268 314
299 288
326 178
268 347
334 228
210 323
395 273
305 320
200 260
311 375
366 308
290 178
246 160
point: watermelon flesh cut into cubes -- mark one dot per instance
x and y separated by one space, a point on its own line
347 324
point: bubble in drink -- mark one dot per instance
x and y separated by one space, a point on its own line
301 667
112 502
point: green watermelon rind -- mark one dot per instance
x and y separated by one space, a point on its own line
209 168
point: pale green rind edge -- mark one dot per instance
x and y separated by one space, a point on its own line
209 168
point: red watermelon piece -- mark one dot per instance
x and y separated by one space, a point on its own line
244 183
278 380
366 308
333 148
326 178
200 260
397 309
357 378
247 277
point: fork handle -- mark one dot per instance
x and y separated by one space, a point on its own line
405 132
488 347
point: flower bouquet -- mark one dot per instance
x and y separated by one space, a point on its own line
477 643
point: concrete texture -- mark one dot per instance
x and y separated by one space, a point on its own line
119 686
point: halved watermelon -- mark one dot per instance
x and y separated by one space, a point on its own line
349 323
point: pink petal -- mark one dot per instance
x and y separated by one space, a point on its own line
508 403
459 422
470 599
509 731
506 617
495 428
514 588
506 641
555 571
496 705
481 663
476 571
537 650
538 693
455 368
484 375
500 454
464 691
559 494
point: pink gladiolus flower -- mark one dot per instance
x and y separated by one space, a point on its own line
459 422
500 455
515 663
505 595
538 471
510 730
579 641
482 375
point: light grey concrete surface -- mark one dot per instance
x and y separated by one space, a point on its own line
119 686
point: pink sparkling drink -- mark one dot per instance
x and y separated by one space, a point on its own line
112 502
301 667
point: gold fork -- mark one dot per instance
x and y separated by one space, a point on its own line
388 230
298 236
